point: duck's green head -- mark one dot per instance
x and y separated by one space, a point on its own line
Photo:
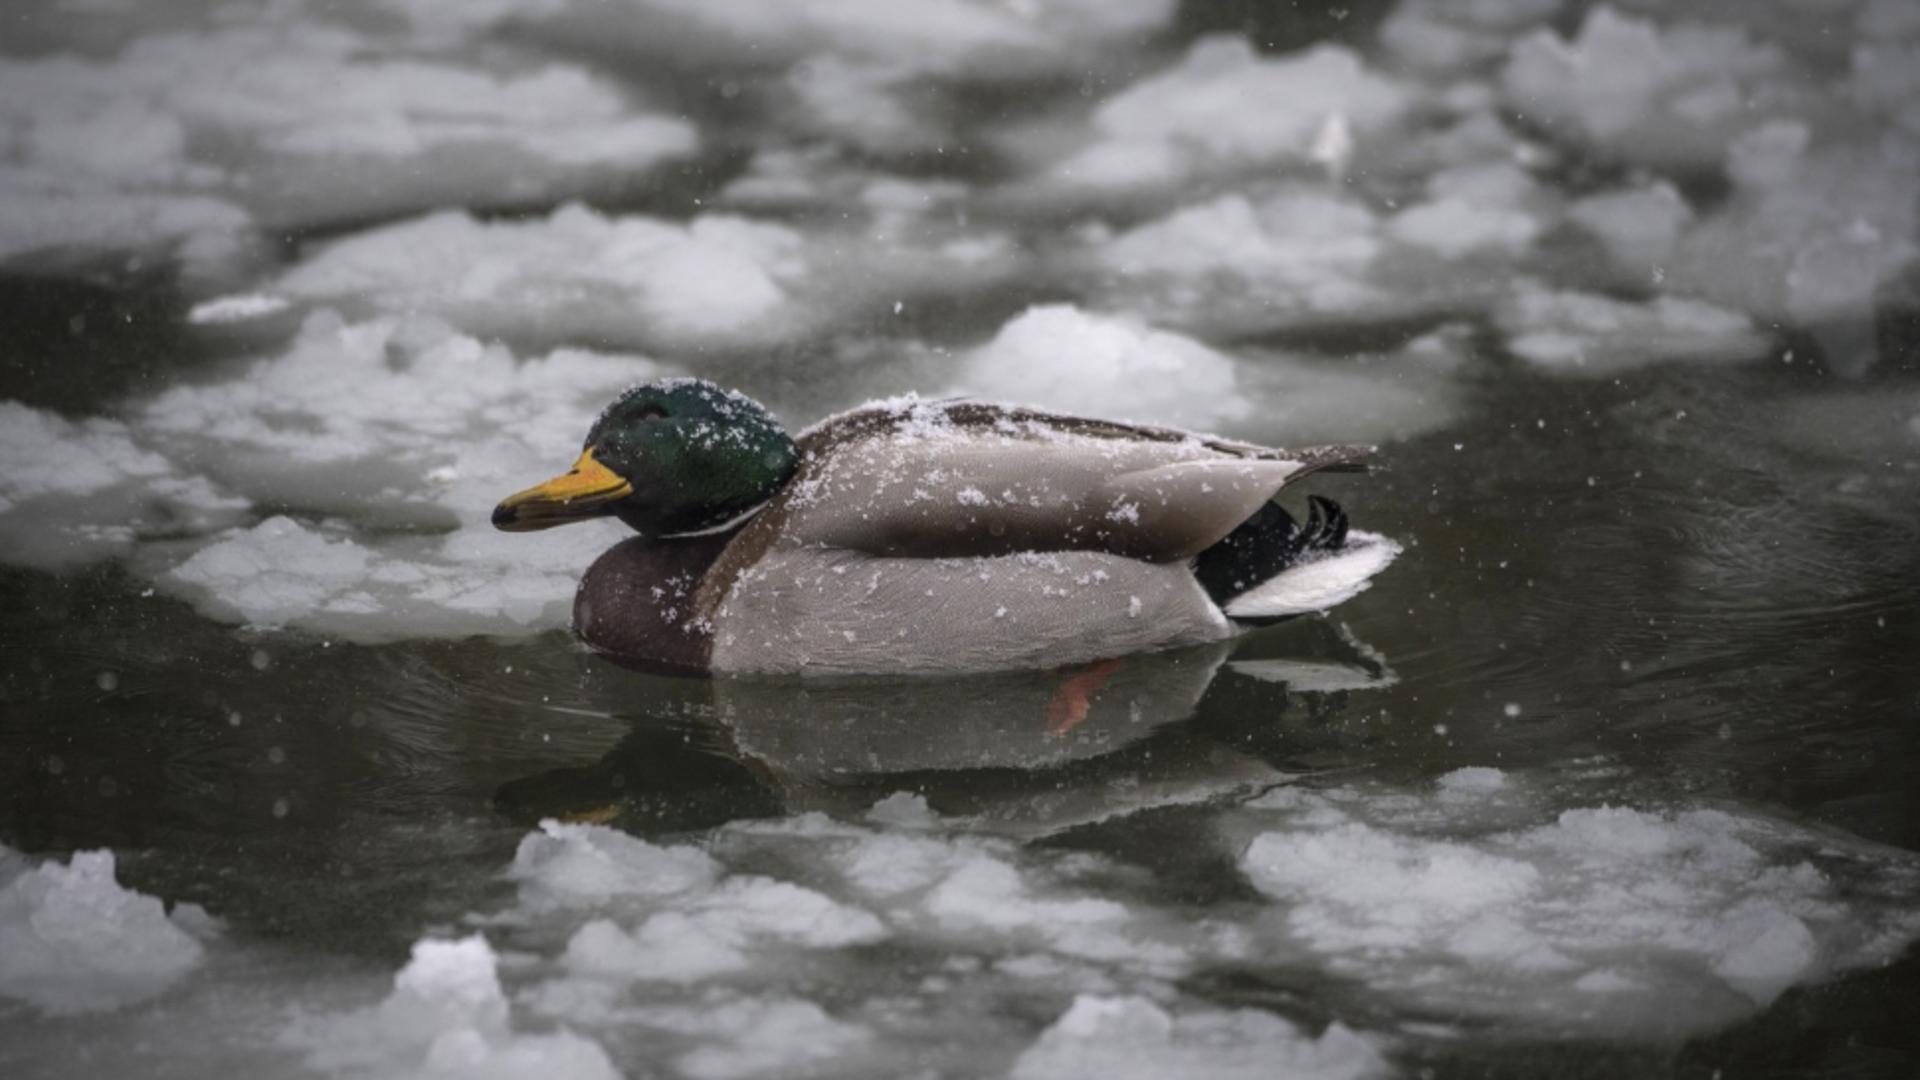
669 457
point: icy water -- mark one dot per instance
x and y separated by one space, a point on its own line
1610 774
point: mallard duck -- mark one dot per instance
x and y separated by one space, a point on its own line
916 536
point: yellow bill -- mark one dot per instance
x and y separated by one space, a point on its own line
587 490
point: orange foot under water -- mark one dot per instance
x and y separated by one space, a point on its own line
1072 701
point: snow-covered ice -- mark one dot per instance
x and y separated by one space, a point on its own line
718 281
1222 110
1133 1037
446 1017
1486 897
1114 364
188 135
1585 334
73 940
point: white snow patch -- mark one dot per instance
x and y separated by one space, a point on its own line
1669 98
717 281
1062 357
231 309
1117 1038
1225 109
72 940
74 491
1585 334
165 137
1464 899
389 422
586 865
446 1017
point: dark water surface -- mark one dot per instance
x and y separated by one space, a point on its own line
1664 576
1610 775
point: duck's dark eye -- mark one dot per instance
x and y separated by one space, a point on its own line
650 411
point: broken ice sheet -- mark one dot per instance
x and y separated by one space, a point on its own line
1671 98
410 432
874 74
1221 111
716 282
185 135
384 445
1501 897
1122 1037
713 956
1062 357
77 491
1308 255
447 1016
1575 333
72 940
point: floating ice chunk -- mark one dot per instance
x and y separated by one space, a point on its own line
586 865
861 104
1060 356
1225 109
76 491
1584 334
1299 256
1303 247
576 274
1527 921
1118 1038
446 1017
718 281
1639 227
392 423
1453 36
1669 98
1471 208
72 940
188 122
748 1037
1810 237
903 810
918 37
710 936
55 218
238 308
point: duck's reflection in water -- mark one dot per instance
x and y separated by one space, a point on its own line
1021 754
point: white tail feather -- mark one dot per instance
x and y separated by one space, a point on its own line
1319 581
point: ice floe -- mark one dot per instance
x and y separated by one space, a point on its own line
73 940
1585 334
874 75
187 135
383 446
1060 356
716 282
1304 256
403 426
1079 361
1222 110
1487 897
1671 98
1133 1037
448 1017
76 491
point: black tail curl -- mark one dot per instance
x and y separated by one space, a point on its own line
1266 544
